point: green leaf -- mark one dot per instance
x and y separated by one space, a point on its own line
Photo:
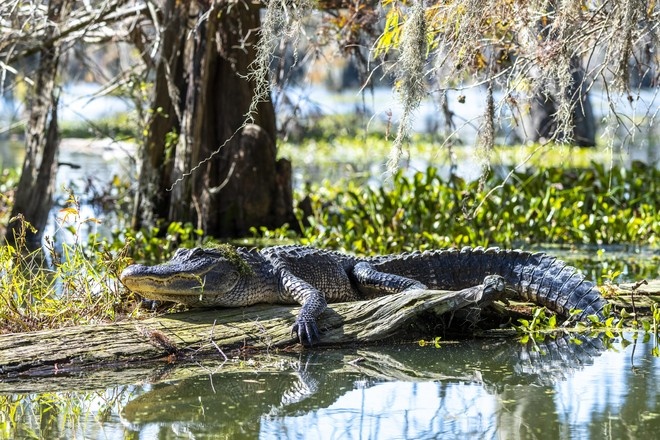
646 325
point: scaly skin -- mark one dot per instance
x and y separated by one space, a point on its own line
315 277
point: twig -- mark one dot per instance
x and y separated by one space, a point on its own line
216 345
637 285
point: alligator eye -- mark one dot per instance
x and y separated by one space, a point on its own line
180 252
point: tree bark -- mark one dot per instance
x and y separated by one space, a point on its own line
226 175
157 161
34 194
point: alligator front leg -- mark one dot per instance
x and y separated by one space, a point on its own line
313 304
373 282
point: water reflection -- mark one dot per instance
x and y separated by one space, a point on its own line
482 389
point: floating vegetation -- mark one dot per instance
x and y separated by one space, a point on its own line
598 205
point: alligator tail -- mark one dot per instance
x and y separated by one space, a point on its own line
535 277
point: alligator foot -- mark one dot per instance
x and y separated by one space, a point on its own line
306 330
495 287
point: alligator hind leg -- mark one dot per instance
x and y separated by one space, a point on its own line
371 282
493 288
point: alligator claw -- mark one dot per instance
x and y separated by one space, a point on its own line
494 284
306 330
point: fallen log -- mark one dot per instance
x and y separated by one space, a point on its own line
635 297
137 350
216 332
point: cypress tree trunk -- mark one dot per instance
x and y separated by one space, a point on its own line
242 184
34 194
152 199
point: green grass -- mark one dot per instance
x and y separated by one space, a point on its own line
60 286
121 126
78 283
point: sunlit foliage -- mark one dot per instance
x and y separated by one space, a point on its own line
60 285
596 205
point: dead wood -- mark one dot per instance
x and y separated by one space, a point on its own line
220 332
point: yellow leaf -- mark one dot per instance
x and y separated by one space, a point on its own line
69 211
391 34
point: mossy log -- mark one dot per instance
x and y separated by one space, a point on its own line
135 350
218 332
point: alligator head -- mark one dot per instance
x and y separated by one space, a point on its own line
190 272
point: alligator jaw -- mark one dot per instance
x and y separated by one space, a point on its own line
180 284
191 273
153 284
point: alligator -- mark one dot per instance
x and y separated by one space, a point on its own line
229 276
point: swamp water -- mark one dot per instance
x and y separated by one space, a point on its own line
485 388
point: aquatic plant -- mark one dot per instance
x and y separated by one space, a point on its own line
65 414
156 244
540 320
655 327
596 205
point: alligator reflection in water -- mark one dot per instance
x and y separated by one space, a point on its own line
486 387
